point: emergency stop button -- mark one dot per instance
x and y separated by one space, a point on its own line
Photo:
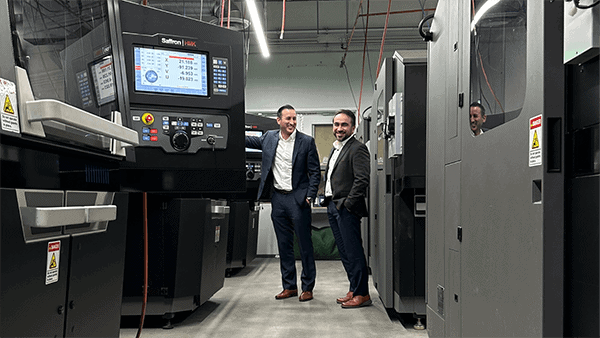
148 119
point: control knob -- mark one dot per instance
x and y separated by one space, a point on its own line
211 140
180 140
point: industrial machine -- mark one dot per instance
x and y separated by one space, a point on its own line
582 170
512 214
179 83
63 220
245 208
397 190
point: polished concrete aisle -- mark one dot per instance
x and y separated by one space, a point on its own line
246 307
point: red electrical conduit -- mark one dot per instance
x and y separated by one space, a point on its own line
228 13
387 20
282 21
222 11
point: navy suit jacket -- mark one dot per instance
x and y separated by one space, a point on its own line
350 177
306 170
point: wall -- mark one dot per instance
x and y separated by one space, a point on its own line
311 82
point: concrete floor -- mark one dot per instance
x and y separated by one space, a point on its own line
246 307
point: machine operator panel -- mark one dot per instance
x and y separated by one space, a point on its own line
181 132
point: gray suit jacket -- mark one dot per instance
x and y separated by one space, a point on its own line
350 177
305 165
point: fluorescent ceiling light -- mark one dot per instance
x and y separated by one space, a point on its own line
260 35
486 7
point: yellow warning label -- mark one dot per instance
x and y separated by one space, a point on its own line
53 262
536 142
8 108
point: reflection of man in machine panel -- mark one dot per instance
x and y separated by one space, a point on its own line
476 118
290 177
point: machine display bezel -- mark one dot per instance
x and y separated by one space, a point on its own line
203 75
102 100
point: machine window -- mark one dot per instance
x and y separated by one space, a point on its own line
498 62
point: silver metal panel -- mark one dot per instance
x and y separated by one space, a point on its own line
582 33
507 272
453 59
435 323
6 52
435 232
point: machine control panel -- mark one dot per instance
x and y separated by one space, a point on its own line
253 170
181 132
220 76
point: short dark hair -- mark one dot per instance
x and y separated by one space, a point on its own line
280 110
478 105
348 113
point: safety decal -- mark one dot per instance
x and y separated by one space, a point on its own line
8 101
52 262
8 106
535 141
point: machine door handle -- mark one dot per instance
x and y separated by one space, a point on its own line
40 217
53 110
219 209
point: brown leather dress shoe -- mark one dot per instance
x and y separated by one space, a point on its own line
306 295
286 294
348 296
357 301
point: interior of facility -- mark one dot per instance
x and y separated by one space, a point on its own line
167 166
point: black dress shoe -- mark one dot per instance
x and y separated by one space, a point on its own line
286 294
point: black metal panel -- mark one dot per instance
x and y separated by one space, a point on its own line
414 115
238 238
583 94
582 252
30 308
96 279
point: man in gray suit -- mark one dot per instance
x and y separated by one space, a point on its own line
346 184
290 178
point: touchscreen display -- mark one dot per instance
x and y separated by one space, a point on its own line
102 75
170 72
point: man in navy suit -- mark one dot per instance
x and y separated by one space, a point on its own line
346 183
290 178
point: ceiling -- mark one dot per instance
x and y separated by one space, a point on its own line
317 26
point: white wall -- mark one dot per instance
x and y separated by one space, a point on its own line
311 82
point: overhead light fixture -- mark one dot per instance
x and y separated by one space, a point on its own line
481 12
260 35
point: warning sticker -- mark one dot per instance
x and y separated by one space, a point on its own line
52 262
535 141
8 102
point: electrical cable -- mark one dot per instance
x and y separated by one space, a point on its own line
145 230
229 13
362 77
282 21
222 11
387 19
351 34
350 85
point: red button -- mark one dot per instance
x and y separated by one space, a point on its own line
153 131
149 118
154 138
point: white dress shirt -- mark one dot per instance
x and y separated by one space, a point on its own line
282 165
336 153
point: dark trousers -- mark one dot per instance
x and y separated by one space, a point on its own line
346 231
288 218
